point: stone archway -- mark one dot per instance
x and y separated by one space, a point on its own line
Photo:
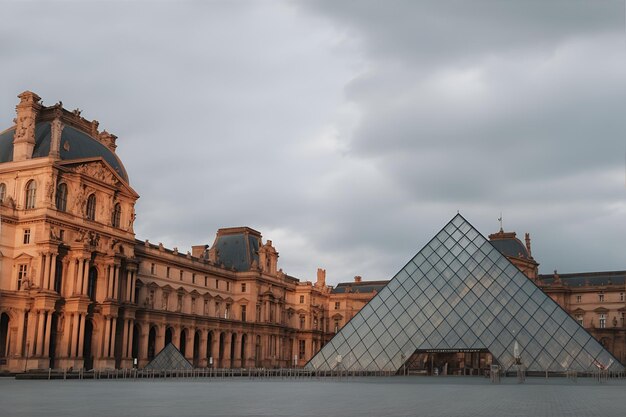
169 334
196 349
152 343
135 347
4 337
242 351
87 353
209 349
182 341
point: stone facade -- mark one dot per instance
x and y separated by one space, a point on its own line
78 290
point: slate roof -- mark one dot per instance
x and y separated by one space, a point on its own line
79 145
580 279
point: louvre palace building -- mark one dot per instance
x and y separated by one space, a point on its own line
79 290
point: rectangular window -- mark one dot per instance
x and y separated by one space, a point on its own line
336 326
302 299
181 274
580 320
152 269
602 321
302 349
243 313
243 287
217 284
193 278
206 281
26 236
217 309
621 296
227 311
601 298
621 319
579 298
167 272
22 275
337 304
302 321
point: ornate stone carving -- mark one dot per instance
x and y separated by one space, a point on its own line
98 172
25 129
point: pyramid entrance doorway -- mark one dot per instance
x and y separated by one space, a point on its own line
435 362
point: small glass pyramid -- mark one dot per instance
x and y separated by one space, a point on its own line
459 292
169 359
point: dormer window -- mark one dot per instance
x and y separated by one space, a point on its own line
91 207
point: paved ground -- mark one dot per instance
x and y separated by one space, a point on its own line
394 396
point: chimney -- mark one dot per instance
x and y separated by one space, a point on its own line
199 251
357 278
528 245
321 277
27 111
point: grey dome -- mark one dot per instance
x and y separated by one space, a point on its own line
74 145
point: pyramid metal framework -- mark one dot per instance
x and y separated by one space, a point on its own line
460 292
169 358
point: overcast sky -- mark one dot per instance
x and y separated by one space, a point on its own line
347 132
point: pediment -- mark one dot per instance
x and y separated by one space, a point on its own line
23 257
97 169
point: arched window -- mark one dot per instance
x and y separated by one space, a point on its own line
31 194
61 200
117 215
91 207
3 192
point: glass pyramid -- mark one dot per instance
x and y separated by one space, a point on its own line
459 292
169 359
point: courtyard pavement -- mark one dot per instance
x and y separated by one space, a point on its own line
373 396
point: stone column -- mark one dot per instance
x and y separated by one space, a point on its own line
125 339
53 270
132 287
143 343
85 276
160 338
115 294
113 334
237 350
73 346
45 284
129 280
46 343
20 334
226 359
189 344
129 343
79 276
40 330
81 335
202 351
106 338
